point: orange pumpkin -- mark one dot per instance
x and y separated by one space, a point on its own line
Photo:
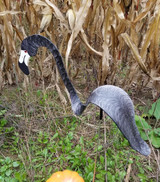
65 176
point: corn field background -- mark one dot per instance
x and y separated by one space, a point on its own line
101 42
115 37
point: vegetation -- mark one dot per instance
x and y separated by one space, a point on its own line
36 140
102 42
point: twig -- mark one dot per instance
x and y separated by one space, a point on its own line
158 169
128 173
105 151
94 175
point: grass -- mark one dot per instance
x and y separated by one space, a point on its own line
39 136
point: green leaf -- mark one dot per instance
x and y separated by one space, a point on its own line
55 136
8 172
157 131
20 177
3 169
155 110
81 140
8 160
39 92
100 147
2 112
142 176
142 126
70 135
154 135
141 123
15 164
3 122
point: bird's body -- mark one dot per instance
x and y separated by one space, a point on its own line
111 99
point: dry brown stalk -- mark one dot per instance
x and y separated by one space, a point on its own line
99 25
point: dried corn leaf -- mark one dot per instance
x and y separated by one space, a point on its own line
135 52
71 18
9 78
134 35
80 18
147 38
113 37
84 38
39 2
1 80
149 5
118 9
156 37
75 4
155 78
18 33
7 3
105 46
105 62
62 98
47 17
95 19
9 12
58 13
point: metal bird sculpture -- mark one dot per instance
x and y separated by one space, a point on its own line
114 101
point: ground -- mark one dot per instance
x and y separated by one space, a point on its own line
40 135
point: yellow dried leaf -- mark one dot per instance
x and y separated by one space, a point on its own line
134 51
134 35
58 13
63 99
47 11
84 38
105 62
71 18
113 37
95 19
7 3
75 4
39 2
156 37
81 15
145 11
147 38
118 9
3 13
80 18
105 54
45 21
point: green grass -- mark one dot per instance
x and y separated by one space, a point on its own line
37 139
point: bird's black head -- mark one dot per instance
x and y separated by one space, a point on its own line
29 48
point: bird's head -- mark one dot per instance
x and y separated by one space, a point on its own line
28 48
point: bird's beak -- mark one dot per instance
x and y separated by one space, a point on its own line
23 62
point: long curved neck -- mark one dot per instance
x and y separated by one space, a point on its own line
41 41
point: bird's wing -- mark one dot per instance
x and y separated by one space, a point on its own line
116 103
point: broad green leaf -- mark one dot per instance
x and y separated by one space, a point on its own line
155 110
141 123
3 122
8 172
15 164
154 135
142 126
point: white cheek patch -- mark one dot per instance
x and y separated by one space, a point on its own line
24 57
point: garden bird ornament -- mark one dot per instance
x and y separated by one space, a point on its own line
114 101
